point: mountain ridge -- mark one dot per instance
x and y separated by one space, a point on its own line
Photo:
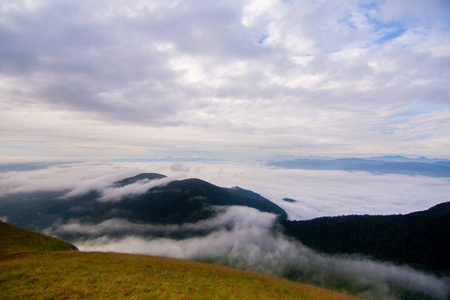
418 238
169 203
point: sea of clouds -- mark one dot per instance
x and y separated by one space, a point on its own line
244 237
318 193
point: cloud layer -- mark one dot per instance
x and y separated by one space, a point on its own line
318 193
236 78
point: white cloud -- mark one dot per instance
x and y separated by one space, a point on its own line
77 179
140 187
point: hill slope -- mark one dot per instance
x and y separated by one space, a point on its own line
14 239
67 275
420 239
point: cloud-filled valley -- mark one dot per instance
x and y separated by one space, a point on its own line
237 236
307 186
318 193
251 244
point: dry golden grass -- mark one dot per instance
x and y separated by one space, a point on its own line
74 275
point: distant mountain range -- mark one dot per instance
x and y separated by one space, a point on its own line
399 158
381 165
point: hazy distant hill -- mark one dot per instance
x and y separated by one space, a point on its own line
421 238
178 202
382 165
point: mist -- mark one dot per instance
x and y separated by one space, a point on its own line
140 187
245 239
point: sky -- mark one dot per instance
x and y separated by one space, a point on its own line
88 80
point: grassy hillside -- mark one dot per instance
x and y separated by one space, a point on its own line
73 274
30 268
14 239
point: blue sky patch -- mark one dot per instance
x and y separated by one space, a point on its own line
388 30
262 39
390 35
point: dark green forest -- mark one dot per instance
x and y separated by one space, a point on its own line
420 239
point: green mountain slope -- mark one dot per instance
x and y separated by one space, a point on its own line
14 239
420 239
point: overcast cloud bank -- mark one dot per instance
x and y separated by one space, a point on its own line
223 78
